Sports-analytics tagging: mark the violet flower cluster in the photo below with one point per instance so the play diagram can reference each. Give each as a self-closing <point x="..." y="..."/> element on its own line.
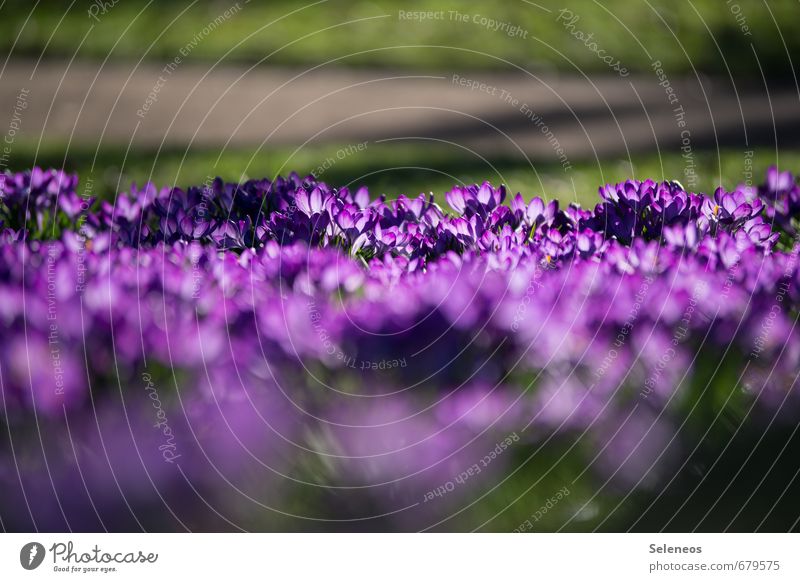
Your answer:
<point x="283" y="354"/>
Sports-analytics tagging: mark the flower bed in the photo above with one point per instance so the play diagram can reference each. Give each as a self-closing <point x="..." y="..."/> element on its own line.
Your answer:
<point x="287" y="355"/>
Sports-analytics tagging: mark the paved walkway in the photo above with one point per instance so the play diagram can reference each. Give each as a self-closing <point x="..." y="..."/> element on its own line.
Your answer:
<point x="548" y="117"/>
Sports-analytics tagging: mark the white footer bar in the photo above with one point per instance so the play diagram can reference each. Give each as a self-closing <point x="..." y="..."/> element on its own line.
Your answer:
<point x="402" y="557"/>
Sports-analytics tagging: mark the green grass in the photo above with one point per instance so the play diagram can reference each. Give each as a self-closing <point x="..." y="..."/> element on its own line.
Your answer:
<point x="681" y="33"/>
<point x="394" y="169"/>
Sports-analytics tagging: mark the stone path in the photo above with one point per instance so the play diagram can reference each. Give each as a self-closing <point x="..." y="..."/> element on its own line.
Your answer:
<point x="547" y="117"/>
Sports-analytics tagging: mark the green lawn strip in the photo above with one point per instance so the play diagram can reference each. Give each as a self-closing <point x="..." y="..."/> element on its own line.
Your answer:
<point x="396" y="169"/>
<point x="683" y="35"/>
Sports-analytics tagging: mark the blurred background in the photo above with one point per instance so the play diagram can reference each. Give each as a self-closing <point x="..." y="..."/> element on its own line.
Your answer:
<point x="405" y="96"/>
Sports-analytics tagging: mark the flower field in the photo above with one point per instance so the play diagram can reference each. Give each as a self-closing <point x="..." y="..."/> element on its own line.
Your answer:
<point x="286" y="354"/>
